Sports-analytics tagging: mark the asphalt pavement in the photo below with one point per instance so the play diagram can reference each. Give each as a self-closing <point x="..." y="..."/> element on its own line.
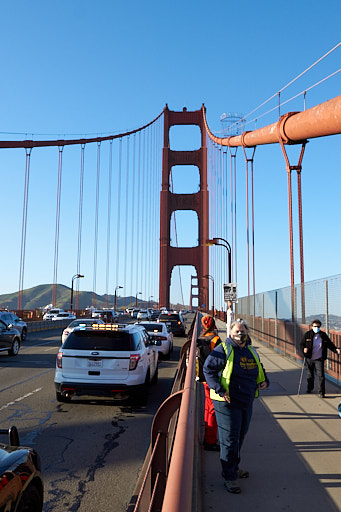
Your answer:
<point x="292" y="449"/>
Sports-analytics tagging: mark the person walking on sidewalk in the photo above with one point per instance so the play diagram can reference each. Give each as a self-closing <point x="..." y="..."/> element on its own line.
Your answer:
<point x="234" y="373"/>
<point x="314" y="345"/>
<point x="206" y="342"/>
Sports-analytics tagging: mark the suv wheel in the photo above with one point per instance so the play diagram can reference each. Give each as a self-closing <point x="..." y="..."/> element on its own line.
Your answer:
<point x="31" y="500"/>
<point x="155" y="376"/>
<point x="14" y="350"/>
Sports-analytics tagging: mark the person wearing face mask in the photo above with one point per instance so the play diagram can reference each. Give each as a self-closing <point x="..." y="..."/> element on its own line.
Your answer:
<point x="234" y="374"/>
<point x="314" y="345"/>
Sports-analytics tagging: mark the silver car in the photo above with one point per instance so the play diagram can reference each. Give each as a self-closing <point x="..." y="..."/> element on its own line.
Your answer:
<point x="11" y="319"/>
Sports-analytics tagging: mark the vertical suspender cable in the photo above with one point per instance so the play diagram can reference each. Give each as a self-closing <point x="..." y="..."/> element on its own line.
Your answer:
<point x="150" y="220"/>
<point x="108" y="226"/>
<point x="80" y="223"/>
<point x="138" y="214"/>
<point x="96" y="224"/>
<point x="118" y="212"/>
<point x="24" y="229"/>
<point x="133" y="221"/>
<point x="247" y="228"/>
<point x="143" y="215"/>
<point x="56" y="241"/>
<point x="126" y="223"/>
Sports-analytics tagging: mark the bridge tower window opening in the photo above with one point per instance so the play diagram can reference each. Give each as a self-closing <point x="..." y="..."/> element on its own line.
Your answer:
<point x="180" y="287"/>
<point x="184" y="229"/>
<point x="184" y="138"/>
<point x="184" y="179"/>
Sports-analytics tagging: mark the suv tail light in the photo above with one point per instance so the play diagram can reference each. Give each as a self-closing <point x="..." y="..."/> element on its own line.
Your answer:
<point x="60" y="360"/>
<point x="134" y="359"/>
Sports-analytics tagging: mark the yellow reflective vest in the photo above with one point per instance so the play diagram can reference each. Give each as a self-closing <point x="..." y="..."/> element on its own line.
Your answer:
<point x="227" y="372"/>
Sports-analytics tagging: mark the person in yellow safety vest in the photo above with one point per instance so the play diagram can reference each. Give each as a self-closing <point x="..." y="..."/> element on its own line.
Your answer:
<point x="234" y="374"/>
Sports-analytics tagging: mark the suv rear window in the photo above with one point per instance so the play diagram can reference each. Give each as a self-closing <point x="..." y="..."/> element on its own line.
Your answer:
<point x="153" y="327"/>
<point x="169" y="317"/>
<point x="94" y="340"/>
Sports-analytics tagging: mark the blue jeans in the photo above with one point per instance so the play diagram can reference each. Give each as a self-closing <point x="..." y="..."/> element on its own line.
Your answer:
<point x="233" y="424"/>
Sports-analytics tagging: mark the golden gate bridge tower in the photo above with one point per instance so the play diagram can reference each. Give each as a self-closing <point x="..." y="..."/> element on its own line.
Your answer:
<point x="171" y="256"/>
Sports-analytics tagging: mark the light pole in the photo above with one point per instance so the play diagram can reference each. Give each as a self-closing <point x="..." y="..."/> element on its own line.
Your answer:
<point x="137" y="293"/>
<point x="150" y="297"/>
<point x="208" y="276"/>
<point x="115" y="302"/>
<point x="76" y="276"/>
<point x="217" y="241"/>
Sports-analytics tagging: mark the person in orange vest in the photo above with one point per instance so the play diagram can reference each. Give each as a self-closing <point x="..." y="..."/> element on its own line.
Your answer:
<point x="206" y="342"/>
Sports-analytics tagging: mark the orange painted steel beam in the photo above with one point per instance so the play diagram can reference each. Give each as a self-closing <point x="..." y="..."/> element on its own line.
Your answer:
<point x="319" y="121"/>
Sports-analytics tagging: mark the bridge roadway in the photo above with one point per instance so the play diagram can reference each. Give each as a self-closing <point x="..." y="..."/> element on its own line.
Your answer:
<point x="292" y="450"/>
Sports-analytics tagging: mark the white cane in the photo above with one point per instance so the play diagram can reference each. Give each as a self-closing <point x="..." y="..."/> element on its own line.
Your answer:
<point x="300" y="383"/>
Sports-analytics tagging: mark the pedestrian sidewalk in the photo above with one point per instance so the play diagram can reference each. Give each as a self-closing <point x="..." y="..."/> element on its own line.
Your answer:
<point x="292" y="449"/>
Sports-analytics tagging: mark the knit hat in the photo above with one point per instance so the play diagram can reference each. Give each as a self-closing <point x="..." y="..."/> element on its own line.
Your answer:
<point x="208" y="322"/>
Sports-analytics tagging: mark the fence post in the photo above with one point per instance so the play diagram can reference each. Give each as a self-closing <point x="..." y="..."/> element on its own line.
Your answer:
<point x="276" y="318"/>
<point x="263" y="318"/>
<point x="327" y="306"/>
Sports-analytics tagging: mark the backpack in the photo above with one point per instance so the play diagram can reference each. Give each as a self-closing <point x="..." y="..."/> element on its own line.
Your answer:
<point x="205" y="345"/>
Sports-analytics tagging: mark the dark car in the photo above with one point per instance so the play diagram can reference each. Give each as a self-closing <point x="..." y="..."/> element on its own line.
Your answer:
<point x="175" y="322"/>
<point x="21" y="482"/>
<point x="11" y="319"/>
<point x="9" y="339"/>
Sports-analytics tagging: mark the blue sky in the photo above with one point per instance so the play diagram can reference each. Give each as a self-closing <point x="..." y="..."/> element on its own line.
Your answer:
<point x="80" y="67"/>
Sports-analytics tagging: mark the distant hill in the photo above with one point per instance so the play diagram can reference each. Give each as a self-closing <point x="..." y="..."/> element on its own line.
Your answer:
<point x="39" y="296"/>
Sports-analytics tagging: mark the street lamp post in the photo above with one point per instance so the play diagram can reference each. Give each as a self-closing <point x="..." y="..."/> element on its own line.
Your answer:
<point x="217" y="241"/>
<point x="137" y="293"/>
<point x="115" y="302"/>
<point x="208" y="276"/>
<point x="76" y="276"/>
<point x="150" y="297"/>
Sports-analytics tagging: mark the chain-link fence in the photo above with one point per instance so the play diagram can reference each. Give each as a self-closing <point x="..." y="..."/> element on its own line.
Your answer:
<point x="280" y="317"/>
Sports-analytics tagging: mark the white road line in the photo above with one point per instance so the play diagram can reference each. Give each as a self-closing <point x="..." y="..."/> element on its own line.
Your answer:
<point x="20" y="398"/>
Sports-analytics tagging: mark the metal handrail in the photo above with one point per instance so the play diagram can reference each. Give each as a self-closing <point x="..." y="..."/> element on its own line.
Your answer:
<point x="170" y="454"/>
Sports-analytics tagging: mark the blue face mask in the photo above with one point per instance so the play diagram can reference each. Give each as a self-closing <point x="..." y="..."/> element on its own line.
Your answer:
<point x="316" y="329"/>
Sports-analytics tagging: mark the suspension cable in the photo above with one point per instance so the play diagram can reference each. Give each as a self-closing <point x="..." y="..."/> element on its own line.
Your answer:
<point x="108" y="224"/>
<point x="24" y="230"/>
<point x="56" y="242"/>
<point x="80" y="223"/>
<point x="96" y="224"/>
<point x="126" y="224"/>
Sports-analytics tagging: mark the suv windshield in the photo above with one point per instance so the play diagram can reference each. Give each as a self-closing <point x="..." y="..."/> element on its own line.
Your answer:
<point x="94" y="340"/>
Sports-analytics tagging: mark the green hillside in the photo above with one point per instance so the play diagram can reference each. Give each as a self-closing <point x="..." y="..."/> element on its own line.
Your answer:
<point x="39" y="296"/>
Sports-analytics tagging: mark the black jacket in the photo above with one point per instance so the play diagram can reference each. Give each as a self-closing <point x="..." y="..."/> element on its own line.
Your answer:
<point x="307" y="342"/>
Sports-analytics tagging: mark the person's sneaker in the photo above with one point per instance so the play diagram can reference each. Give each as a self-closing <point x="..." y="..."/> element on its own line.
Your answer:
<point x="242" y="473"/>
<point x="211" y="447"/>
<point x="232" y="486"/>
<point x="321" y="395"/>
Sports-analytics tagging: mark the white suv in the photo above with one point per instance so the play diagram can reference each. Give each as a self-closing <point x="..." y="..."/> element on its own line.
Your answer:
<point x="106" y="360"/>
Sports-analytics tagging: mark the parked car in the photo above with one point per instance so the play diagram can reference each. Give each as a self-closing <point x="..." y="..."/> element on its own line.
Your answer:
<point x="21" y="482"/>
<point x="106" y="360"/>
<point x="164" y="339"/>
<point x="63" y="316"/>
<point x="80" y="322"/>
<point x="176" y="323"/>
<point x="143" y="314"/>
<point x="9" y="339"/>
<point x="12" y="319"/>
<point x="52" y="312"/>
